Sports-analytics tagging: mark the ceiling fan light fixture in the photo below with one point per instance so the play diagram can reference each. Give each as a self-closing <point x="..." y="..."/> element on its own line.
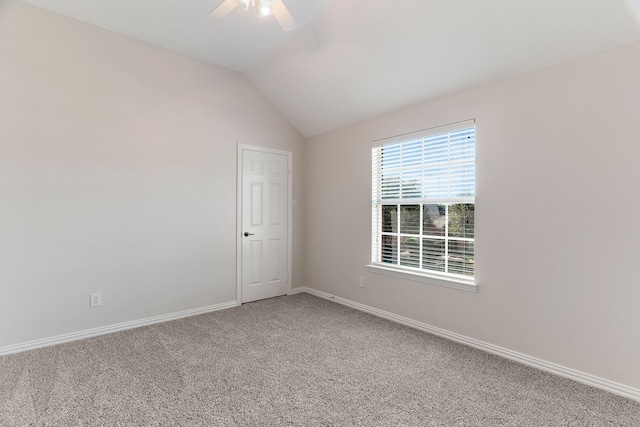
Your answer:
<point x="265" y="7"/>
<point x="265" y="10"/>
<point x="275" y="8"/>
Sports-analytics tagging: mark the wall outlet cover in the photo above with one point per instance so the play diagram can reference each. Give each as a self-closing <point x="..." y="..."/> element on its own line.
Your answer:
<point x="95" y="300"/>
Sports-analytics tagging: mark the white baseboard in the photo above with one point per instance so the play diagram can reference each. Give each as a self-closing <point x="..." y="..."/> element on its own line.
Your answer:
<point x="298" y="290"/>
<point x="601" y="383"/>
<point x="88" y="333"/>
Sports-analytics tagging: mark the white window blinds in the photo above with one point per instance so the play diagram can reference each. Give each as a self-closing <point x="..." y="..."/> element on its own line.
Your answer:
<point x="436" y="165"/>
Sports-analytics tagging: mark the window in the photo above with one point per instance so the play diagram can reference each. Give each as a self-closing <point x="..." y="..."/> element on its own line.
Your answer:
<point x="424" y="202"/>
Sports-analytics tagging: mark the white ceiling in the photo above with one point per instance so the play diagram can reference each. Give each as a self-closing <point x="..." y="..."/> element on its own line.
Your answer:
<point x="353" y="60"/>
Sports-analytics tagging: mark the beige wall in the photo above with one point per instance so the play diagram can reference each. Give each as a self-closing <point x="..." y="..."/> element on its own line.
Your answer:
<point x="557" y="216"/>
<point x="118" y="175"/>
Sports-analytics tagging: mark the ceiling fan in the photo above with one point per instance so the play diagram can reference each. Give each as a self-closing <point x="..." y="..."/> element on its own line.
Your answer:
<point x="265" y="8"/>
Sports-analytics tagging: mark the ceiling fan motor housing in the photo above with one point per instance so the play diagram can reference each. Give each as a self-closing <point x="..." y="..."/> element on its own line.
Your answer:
<point x="244" y="4"/>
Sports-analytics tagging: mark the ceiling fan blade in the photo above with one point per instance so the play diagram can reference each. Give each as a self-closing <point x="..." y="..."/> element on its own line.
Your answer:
<point x="223" y="8"/>
<point x="282" y="15"/>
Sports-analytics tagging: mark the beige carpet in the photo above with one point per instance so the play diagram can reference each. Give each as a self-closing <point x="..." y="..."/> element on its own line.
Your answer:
<point x="296" y="360"/>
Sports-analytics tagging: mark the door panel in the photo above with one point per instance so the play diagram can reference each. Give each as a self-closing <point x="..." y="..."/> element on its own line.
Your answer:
<point x="256" y="203"/>
<point x="274" y="266"/>
<point x="264" y="225"/>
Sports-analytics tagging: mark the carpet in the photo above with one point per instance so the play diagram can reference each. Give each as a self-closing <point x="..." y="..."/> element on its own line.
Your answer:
<point x="297" y="360"/>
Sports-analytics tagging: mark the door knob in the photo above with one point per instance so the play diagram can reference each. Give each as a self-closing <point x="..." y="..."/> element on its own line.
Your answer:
<point x="247" y="234"/>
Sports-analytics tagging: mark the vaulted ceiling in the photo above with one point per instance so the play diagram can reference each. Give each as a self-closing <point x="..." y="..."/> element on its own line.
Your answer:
<point x="353" y="60"/>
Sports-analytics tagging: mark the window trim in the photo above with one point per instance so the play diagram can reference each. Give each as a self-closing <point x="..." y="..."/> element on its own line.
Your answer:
<point x="424" y="276"/>
<point x="448" y="280"/>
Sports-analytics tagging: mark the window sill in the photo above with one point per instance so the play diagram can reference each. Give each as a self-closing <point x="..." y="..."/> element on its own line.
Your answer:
<point x="432" y="279"/>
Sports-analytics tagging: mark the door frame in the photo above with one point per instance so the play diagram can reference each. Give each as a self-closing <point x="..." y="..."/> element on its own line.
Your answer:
<point x="239" y="198"/>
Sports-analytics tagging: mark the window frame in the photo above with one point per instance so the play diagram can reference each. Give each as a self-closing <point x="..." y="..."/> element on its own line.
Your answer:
<point x="377" y="266"/>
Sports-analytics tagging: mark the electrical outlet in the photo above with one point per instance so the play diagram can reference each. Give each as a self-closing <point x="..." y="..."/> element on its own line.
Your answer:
<point x="95" y="300"/>
<point x="361" y="281"/>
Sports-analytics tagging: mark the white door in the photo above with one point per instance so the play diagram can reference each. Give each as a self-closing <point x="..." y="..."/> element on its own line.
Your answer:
<point x="264" y="231"/>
